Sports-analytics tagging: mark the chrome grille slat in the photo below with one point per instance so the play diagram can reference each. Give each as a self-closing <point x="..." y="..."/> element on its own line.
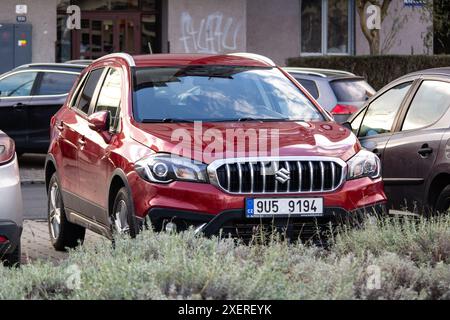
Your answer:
<point x="293" y="175"/>
<point x="332" y="174"/>
<point x="288" y="188"/>
<point x="275" y="166"/>
<point x="322" y="176"/>
<point x="300" y="178"/>
<point x="263" y="172"/>
<point x="240" y="176"/>
<point x="252" y="178"/>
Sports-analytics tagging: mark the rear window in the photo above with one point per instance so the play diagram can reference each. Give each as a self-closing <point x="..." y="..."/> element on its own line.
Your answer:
<point x="310" y="86"/>
<point x="352" y="90"/>
<point x="53" y="83"/>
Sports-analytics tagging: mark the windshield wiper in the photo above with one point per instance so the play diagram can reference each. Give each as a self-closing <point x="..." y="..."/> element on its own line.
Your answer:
<point x="167" y="120"/>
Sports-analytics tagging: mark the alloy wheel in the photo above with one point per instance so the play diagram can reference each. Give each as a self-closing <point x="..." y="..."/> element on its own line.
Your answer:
<point x="120" y="224"/>
<point x="55" y="211"/>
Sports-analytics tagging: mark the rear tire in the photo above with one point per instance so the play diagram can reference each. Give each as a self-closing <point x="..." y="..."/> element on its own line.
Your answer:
<point x="12" y="259"/>
<point x="123" y="220"/>
<point x="443" y="201"/>
<point x="63" y="234"/>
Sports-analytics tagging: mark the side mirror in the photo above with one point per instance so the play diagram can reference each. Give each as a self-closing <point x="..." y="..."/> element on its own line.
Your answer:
<point x="99" y="121"/>
<point x="347" y="125"/>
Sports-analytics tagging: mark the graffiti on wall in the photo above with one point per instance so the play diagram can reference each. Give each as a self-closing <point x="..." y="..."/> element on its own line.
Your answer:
<point x="212" y="34"/>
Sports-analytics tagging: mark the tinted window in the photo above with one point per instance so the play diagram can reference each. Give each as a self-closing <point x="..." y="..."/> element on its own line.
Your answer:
<point x="219" y="93"/>
<point x="17" y="85"/>
<point x="109" y="96"/>
<point x="381" y="113"/>
<point x="56" y="83"/>
<point x="352" y="90"/>
<point x="310" y="86"/>
<point x="429" y="105"/>
<point x="88" y="91"/>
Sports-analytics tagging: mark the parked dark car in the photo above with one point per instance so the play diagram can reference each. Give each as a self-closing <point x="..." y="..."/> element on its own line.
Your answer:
<point x="407" y="124"/>
<point x="339" y="92"/>
<point x="29" y="96"/>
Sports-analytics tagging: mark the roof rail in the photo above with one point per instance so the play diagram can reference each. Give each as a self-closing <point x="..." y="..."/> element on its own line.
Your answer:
<point x="50" y="64"/>
<point x="128" y="58"/>
<point x="299" y="70"/>
<point x="254" y="56"/>
<point x="318" y="71"/>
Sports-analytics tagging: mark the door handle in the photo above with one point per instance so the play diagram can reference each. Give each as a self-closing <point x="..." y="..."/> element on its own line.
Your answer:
<point x="82" y="142"/>
<point x="19" y="106"/>
<point x="425" y="150"/>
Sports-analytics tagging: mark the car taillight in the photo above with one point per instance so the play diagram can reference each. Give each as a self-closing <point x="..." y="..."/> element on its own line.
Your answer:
<point x="343" y="109"/>
<point x="7" y="149"/>
<point x="3" y="239"/>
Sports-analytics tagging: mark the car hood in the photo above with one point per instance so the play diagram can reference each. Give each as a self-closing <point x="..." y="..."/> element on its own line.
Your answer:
<point x="294" y="139"/>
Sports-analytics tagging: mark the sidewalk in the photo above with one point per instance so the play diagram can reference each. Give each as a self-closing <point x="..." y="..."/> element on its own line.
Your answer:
<point x="36" y="243"/>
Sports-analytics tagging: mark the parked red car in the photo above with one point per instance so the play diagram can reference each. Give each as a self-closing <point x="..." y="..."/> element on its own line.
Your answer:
<point x="223" y="143"/>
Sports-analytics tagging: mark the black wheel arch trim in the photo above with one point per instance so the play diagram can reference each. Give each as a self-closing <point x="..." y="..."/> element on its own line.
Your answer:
<point x="122" y="175"/>
<point x="50" y="159"/>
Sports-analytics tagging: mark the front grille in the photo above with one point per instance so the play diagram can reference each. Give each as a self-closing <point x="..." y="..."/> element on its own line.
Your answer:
<point x="278" y="176"/>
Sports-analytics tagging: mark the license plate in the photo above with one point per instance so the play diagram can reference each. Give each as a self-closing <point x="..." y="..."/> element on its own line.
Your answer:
<point x="283" y="207"/>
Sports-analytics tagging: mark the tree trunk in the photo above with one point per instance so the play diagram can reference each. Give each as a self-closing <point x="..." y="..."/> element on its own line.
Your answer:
<point x="374" y="42"/>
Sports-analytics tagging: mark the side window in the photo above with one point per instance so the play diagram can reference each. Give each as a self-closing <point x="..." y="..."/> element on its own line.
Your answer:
<point x="381" y="113"/>
<point x="310" y="86"/>
<point x="84" y="100"/>
<point x="17" y="85"/>
<point x="429" y="105"/>
<point x="109" y="97"/>
<point x="53" y="83"/>
<point x="356" y="123"/>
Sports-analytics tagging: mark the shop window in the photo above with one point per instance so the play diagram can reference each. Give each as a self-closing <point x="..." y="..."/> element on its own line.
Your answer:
<point x="326" y="27"/>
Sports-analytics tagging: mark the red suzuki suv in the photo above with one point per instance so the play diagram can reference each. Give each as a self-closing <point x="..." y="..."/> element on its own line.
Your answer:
<point x="220" y="143"/>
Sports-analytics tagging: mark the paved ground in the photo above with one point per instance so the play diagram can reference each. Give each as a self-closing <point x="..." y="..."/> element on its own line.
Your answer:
<point x="36" y="243"/>
<point x="35" y="238"/>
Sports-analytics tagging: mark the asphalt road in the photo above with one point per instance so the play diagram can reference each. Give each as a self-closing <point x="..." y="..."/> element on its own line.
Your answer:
<point x="34" y="201"/>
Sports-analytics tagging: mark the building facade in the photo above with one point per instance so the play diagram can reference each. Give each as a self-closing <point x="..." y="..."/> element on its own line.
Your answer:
<point x="279" y="29"/>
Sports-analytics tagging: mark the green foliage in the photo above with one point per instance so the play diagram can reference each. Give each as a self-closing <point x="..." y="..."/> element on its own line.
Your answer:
<point x="378" y="70"/>
<point x="413" y="258"/>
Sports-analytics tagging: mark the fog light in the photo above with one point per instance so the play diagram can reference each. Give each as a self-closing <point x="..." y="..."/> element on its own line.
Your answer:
<point x="171" y="227"/>
<point x="160" y="169"/>
<point x="3" y="239"/>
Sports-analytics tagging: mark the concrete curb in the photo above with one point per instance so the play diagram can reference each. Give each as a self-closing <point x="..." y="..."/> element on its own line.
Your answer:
<point x="28" y="182"/>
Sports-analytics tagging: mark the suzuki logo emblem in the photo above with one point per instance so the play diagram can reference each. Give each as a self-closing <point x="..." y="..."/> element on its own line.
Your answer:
<point x="282" y="175"/>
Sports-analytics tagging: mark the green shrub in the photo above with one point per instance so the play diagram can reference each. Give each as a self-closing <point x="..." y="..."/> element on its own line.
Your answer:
<point x="378" y="70"/>
<point x="412" y="257"/>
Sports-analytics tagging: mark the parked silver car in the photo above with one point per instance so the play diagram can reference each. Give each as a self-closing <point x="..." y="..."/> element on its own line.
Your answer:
<point x="11" y="211"/>
<point x="341" y="93"/>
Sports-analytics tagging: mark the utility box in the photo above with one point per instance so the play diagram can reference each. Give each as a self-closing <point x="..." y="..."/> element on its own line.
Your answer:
<point x="15" y="45"/>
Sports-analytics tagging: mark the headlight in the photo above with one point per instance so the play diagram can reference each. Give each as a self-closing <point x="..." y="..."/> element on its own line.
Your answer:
<point x="364" y="164"/>
<point x="166" y="168"/>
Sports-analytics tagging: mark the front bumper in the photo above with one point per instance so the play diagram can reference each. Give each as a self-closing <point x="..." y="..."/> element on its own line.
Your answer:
<point x="234" y="222"/>
<point x="12" y="232"/>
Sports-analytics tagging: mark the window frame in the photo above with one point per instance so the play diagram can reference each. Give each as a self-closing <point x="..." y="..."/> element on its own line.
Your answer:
<point x="40" y="77"/>
<point x="33" y="88"/>
<point x="400" y="112"/>
<point x="407" y="106"/>
<point x="324" y="35"/>
<point x="114" y="128"/>
<point x="81" y="85"/>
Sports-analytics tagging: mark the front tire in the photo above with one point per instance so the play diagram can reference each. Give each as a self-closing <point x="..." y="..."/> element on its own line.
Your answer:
<point x="443" y="201"/>
<point x="123" y="220"/>
<point x="63" y="234"/>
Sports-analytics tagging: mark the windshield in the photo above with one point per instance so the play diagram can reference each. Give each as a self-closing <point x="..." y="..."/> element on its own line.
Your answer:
<point x="351" y="90"/>
<point x="218" y="93"/>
